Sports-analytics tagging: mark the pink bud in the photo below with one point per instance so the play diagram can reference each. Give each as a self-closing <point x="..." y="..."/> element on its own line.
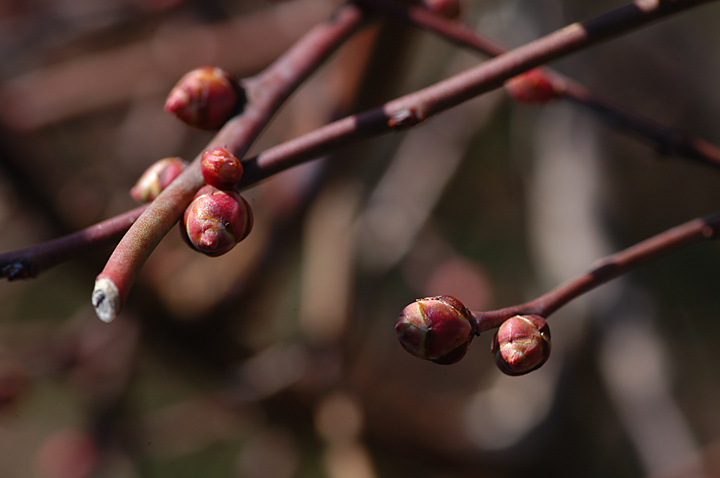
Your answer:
<point x="534" y="87"/>
<point x="449" y="9"/>
<point x="204" y="98"/>
<point x="436" y="328"/>
<point x="156" y="178"/>
<point x="220" y="168"/>
<point x="521" y="344"/>
<point x="217" y="220"/>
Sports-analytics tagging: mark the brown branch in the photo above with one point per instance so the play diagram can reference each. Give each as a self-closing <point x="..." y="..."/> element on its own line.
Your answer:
<point x="668" y="140"/>
<point x="30" y="261"/>
<point x="114" y="282"/>
<point x="415" y="107"/>
<point x="69" y="89"/>
<point x="405" y="111"/>
<point x="611" y="267"/>
<point x="265" y="93"/>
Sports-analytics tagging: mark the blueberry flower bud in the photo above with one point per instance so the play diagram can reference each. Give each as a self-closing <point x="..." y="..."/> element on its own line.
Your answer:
<point x="220" y="168"/>
<point x="436" y="328"/>
<point x="204" y="98"/>
<point x="156" y="178"/>
<point x="521" y="344"/>
<point x="216" y="220"/>
<point x="534" y="87"/>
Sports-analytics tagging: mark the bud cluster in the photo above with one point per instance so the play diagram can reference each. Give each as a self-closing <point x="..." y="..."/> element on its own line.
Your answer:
<point x="441" y="328"/>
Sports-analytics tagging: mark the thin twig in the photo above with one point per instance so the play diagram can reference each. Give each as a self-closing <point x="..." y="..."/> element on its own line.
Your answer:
<point x="691" y="232"/>
<point x="668" y="140"/>
<point x="265" y="93"/>
<point x="405" y="111"/>
<point x="29" y="262"/>
<point x="420" y="105"/>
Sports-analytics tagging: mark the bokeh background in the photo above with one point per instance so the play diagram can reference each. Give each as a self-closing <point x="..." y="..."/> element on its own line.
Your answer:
<point x="279" y="359"/>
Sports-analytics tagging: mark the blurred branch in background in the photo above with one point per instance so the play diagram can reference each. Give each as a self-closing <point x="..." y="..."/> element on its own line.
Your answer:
<point x="59" y="92"/>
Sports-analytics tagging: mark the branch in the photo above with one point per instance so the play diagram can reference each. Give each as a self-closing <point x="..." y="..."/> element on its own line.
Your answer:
<point x="264" y="93"/>
<point x="30" y="261"/>
<point x="406" y="111"/>
<point x="668" y="140"/>
<point x="611" y="267"/>
<point x="411" y="109"/>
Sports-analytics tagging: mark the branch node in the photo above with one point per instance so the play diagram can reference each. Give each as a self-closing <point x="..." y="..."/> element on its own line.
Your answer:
<point x="406" y="118"/>
<point x="16" y="270"/>
<point x="708" y="232"/>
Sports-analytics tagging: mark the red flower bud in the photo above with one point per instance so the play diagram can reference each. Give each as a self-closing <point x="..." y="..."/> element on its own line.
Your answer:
<point x="220" y="168"/>
<point x="521" y="344"/>
<point x="204" y="98"/>
<point x="436" y="328"/>
<point x="449" y="9"/>
<point x="216" y="220"/>
<point x="156" y="178"/>
<point x="534" y="87"/>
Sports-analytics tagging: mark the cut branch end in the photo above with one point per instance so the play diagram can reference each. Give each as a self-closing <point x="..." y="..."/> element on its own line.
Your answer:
<point x="106" y="299"/>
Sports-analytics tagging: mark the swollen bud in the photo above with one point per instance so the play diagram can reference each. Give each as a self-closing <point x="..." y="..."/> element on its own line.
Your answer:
<point x="534" y="87"/>
<point x="204" y="98"/>
<point x="521" y="344"/>
<point x="156" y="178"/>
<point x="220" y="168"/>
<point x="436" y="328"/>
<point x="450" y="9"/>
<point x="216" y="220"/>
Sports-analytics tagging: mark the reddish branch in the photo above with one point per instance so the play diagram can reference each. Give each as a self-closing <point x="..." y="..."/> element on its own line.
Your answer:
<point x="706" y="228"/>
<point x="266" y="91"/>
<point x="30" y="261"/>
<point x="415" y="107"/>
<point x="668" y="140"/>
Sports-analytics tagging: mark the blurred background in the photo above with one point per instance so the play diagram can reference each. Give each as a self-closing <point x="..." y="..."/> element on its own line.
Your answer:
<point x="279" y="359"/>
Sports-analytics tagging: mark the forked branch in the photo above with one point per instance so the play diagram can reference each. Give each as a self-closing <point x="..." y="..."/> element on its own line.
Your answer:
<point x="668" y="140"/>
<point x="608" y="268"/>
<point x="268" y="90"/>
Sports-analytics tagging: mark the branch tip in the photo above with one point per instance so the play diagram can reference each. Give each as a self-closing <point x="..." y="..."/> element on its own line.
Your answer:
<point x="106" y="299"/>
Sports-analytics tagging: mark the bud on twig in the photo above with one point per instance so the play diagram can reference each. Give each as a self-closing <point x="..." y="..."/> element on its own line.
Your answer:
<point x="436" y="328"/>
<point x="450" y="9"/>
<point x="534" y="87"/>
<point x="204" y="98"/>
<point x="216" y="220"/>
<point x="156" y="178"/>
<point x="521" y="344"/>
<point x="220" y="168"/>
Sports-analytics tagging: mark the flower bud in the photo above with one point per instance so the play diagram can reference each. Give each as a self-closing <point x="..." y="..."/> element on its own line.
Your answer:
<point x="216" y="220"/>
<point x="220" y="168"/>
<point x="436" y="328"/>
<point x="521" y="344"/>
<point x="204" y="98"/>
<point x="534" y="87"/>
<point x="156" y="178"/>
<point x="450" y="9"/>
